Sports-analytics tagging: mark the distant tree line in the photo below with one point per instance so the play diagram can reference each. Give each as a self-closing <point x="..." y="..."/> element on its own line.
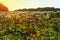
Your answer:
<point x="40" y="9"/>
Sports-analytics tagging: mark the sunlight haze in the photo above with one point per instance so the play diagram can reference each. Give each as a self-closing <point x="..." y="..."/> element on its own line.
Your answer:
<point x="19" y="4"/>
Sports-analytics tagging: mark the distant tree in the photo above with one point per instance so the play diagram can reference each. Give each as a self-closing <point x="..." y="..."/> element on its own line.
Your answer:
<point x="40" y="9"/>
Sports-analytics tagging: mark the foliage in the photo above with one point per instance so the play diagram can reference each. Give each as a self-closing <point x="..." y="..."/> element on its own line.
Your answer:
<point x="3" y="8"/>
<point x="30" y="26"/>
<point x="40" y="9"/>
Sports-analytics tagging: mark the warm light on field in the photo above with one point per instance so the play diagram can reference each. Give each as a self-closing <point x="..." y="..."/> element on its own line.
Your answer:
<point x="40" y="20"/>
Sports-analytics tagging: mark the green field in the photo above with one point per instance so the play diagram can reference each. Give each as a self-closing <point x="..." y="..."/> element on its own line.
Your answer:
<point x="30" y="25"/>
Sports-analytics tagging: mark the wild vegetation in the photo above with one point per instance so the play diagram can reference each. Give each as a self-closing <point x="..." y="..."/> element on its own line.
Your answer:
<point x="30" y="25"/>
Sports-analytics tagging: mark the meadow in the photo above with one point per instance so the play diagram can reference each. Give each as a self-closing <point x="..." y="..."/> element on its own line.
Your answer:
<point x="41" y="25"/>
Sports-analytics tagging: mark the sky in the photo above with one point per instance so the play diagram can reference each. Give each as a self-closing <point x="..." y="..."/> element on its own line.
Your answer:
<point x="20" y="4"/>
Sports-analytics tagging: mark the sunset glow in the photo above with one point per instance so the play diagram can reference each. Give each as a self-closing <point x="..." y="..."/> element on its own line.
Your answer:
<point x="19" y="4"/>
